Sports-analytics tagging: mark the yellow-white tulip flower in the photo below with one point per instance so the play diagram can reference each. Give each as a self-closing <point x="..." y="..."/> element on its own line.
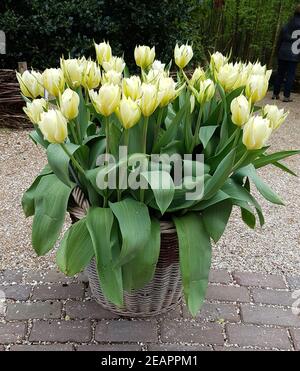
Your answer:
<point x="107" y="99"/>
<point x="128" y="112"/>
<point x="240" y="110"/>
<point x="144" y="56"/>
<point x="54" y="126"/>
<point x="257" y="87"/>
<point x="112" y="77"/>
<point x="73" y="71"/>
<point x="256" y="133"/>
<point x="91" y="75"/>
<point x="275" y="115"/>
<point x="167" y="91"/>
<point x="158" y="66"/>
<point x="31" y="84"/>
<point x="228" y="75"/>
<point x="150" y="99"/>
<point x="217" y="61"/>
<point x="116" y="64"/>
<point x="132" y="87"/>
<point x="69" y="104"/>
<point x="257" y="69"/>
<point x="198" y="76"/>
<point x="183" y="55"/>
<point x="206" y="92"/>
<point x="53" y="81"/>
<point x="34" y="109"/>
<point x="103" y="52"/>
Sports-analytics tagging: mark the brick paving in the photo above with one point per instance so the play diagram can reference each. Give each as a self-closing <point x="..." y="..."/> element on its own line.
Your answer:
<point x="243" y="311"/>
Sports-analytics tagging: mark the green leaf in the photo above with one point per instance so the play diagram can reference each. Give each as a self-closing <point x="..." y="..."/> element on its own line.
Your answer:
<point x="135" y="226"/>
<point x="51" y="202"/>
<point x="273" y="158"/>
<point x="284" y="168"/>
<point x="195" y="259"/>
<point x="99" y="223"/>
<point x="83" y="115"/>
<point x="162" y="186"/>
<point x="247" y="214"/>
<point x="29" y="195"/>
<point x="220" y="176"/>
<point x="219" y="197"/>
<point x="76" y="249"/>
<point x="206" y="133"/>
<point x="263" y="188"/>
<point x="216" y="218"/>
<point x="59" y="161"/>
<point x="37" y="137"/>
<point x="140" y="271"/>
<point x="97" y="149"/>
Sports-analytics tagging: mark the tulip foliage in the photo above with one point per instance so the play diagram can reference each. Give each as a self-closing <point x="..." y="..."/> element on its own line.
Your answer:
<point x="85" y="111"/>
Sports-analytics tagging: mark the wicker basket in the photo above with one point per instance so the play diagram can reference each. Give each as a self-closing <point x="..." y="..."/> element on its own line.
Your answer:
<point x="162" y="294"/>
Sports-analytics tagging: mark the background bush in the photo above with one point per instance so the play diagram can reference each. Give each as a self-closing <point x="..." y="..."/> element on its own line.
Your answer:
<point x="40" y="31"/>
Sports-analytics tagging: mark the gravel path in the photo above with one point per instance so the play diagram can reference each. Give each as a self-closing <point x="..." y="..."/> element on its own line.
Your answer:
<point x="273" y="249"/>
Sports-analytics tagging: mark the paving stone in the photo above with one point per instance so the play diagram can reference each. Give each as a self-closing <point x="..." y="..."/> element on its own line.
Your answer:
<point x="194" y="333"/>
<point x="108" y="348"/>
<point x="54" y="276"/>
<point x="296" y="338"/>
<point x="12" y="332"/>
<point x="126" y="331"/>
<point x="16" y="292"/>
<point x="269" y="316"/>
<point x="172" y="314"/>
<point x="258" y="336"/>
<point x="178" y="348"/>
<point x="88" y="309"/>
<point x="11" y="276"/>
<point x="219" y="276"/>
<point x="238" y="349"/>
<point x="58" y="291"/>
<point x="215" y="312"/>
<point x="42" y="348"/>
<point x="273" y="297"/>
<point x="228" y="294"/>
<point x="39" y="310"/>
<point x="34" y="276"/>
<point x="294" y="282"/>
<point x="61" y="331"/>
<point x="2" y="348"/>
<point x="259" y="280"/>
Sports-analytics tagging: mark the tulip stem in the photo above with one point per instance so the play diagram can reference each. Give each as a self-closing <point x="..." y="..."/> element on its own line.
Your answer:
<point x="145" y="132"/>
<point x="74" y="161"/>
<point x="237" y="137"/>
<point x="107" y="134"/>
<point x="197" y="131"/>
<point x="74" y="132"/>
<point x="158" y="124"/>
<point x="240" y="162"/>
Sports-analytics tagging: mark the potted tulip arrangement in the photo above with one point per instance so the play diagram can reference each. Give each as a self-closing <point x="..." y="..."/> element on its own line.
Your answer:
<point x="141" y="242"/>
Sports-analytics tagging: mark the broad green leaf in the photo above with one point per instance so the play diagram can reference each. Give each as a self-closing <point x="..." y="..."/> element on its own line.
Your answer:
<point x="216" y="218"/>
<point x="195" y="259"/>
<point x="76" y="249"/>
<point x="162" y="186"/>
<point x="219" y="197"/>
<point x="220" y="176"/>
<point x="51" y="202"/>
<point x="135" y="226"/>
<point x="29" y="195"/>
<point x="263" y="188"/>
<point x="97" y="149"/>
<point x="140" y="271"/>
<point x="83" y="116"/>
<point x="265" y="160"/>
<point x="284" y="168"/>
<point x="247" y="214"/>
<point x="99" y="223"/>
<point x="37" y="137"/>
<point x="206" y="133"/>
<point x="59" y="161"/>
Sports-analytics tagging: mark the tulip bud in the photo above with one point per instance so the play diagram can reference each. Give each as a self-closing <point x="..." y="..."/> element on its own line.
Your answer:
<point x="144" y="56"/>
<point x="206" y="92"/>
<point x="275" y="115"/>
<point x="53" y="81"/>
<point x="73" y="71"/>
<point x="217" y="61"/>
<point x="167" y="91"/>
<point x="103" y="52"/>
<point x="128" y="112"/>
<point x="114" y="64"/>
<point x="69" y="104"/>
<point x="107" y="99"/>
<point x="150" y="99"/>
<point x="34" y="110"/>
<point x="256" y="133"/>
<point x="132" y="87"/>
<point x="158" y="66"/>
<point x="31" y="84"/>
<point x="257" y="88"/>
<point x="91" y="75"/>
<point x="227" y="76"/>
<point x="240" y="109"/>
<point x="112" y="77"/>
<point x="183" y="55"/>
<point x="54" y="126"/>
<point x="198" y="76"/>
